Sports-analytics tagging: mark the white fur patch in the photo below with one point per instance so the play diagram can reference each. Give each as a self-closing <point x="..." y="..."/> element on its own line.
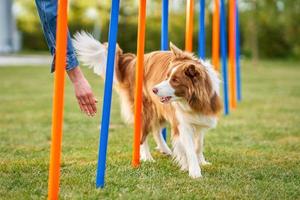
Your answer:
<point x="213" y="75"/>
<point x="185" y="142"/>
<point x="179" y="154"/>
<point x="161" y="144"/>
<point x="91" y="52"/>
<point x="145" y="154"/>
<point x="165" y="89"/>
<point x="126" y="112"/>
<point x="199" y="145"/>
<point x="182" y="109"/>
<point x="173" y="70"/>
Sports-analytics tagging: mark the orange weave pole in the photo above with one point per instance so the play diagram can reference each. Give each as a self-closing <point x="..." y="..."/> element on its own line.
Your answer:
<point x="216" y="36"/>
<point x="232" y="64"/>
<point x="139" y="84"/>
<point x="58" y="100"/>
<point x="189" y="25"/>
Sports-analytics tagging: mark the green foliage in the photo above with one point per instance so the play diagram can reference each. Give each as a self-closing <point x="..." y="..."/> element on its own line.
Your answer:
<point x="254" y="151"/>
<point x="276" y="25"/>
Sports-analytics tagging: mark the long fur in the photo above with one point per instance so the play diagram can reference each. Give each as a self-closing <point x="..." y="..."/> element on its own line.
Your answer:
<point x="91" y="52"/>
<point x="178" y="88"/>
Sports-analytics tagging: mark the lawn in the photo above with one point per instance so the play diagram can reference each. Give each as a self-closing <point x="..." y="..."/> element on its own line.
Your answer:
<point x="255" y="151"/>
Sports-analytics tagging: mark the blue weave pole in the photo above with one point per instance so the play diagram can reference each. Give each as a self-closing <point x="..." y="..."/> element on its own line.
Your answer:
<point x="224" y="56"/>
<point x="164" y="40"/>
<point x="238" y="64"/>
<point x="112" y="40"/>
<point x="201" y="44"/>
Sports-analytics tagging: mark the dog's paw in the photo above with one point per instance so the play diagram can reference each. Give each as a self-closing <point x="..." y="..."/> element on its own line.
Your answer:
<point x="145" y="154"/>
<point x="184" y="167"/>
<point x="195" y="173"/>
<point x="165" y="151"/>
<point x="194" y="170"/>
<point x="204" y="163"/>
<point x="181" y="161"/>
<point x="146" y="158"/>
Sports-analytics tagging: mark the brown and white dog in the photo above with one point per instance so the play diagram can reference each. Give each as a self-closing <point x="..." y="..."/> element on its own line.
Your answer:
<point x="178" y="88"/>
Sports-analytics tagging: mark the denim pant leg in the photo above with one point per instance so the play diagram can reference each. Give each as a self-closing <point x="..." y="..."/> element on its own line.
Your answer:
<point x="47" y="10"/>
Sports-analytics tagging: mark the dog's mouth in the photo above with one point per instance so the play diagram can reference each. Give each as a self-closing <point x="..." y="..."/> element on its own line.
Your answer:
<point x="165" y="99"/>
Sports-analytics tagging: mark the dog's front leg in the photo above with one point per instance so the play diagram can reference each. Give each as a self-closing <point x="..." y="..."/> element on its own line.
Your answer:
<point x="145" y="154"/>
<point x="199" y="145"/>
<point x="186" y="133"/>
<point x="161" y="143"/>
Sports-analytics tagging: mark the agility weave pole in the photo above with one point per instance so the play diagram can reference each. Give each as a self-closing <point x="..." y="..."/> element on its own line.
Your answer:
<point x="216" y="36"/>
<point x="104" y="129"/>
<point x="232" y="54"/>
<point x="58" y="99"/>
<point x="139" y="84"/>
<point x="189" y="25"/>
<point x="224" y="56"/>
<point x="201" y="33"/>
<point x="237" y="49"/>
<point x="164" y="42"/>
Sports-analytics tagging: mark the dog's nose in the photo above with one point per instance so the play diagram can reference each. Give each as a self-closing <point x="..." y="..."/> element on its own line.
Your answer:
<point x="155" y="90"/>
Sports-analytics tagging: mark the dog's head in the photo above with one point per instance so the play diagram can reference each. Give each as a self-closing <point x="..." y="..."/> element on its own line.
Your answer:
<point x="190" y="81"/>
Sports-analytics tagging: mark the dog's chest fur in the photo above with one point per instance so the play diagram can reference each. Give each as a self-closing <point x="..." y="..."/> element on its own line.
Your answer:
<point x="155" y="114"/>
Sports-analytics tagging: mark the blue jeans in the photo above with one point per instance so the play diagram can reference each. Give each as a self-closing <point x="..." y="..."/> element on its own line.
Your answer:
<point x="47" y="10"/>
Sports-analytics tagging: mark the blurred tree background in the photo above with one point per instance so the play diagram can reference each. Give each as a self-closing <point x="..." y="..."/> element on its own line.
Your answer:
<point x="269" y="28"/>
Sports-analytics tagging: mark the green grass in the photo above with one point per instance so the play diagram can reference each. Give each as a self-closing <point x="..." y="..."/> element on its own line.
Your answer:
<point x="254" y="151"/>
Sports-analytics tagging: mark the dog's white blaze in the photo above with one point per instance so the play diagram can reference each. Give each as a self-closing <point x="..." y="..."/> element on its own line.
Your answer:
<point x="173" y="70"/>
<point x="165" y="88"/>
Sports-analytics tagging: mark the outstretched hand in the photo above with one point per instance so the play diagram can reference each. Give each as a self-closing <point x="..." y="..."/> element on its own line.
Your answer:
<point x="83" y="92"/>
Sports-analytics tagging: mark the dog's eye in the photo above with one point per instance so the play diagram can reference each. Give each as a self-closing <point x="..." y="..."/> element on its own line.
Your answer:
<point x="175" y="80"/>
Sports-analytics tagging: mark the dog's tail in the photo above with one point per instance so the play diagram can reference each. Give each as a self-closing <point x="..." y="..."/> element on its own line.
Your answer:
<point x="92" y="53"/>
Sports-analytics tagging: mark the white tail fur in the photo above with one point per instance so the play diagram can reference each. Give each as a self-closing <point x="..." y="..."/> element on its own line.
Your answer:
<point x="91" y="52"/>
<point x="94" y="55"/>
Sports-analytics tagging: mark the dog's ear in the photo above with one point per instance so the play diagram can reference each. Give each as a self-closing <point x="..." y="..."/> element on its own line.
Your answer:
<point x="118" y="49"/>
<point x="201" y="91"/>
<point x="175" y="50"/>
<point x="191" y="72"/>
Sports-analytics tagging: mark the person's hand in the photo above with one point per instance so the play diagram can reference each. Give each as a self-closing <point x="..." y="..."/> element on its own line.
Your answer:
<point x="83" y="92"/>
<point x="85" y="97"/>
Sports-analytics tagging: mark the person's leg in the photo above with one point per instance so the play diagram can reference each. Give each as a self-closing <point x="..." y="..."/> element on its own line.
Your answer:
<point x="47" y="10"/>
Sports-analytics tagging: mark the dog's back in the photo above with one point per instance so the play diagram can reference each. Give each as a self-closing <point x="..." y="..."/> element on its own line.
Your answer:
<point x="155" y="70"/>
<point x="94" y="54"/>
